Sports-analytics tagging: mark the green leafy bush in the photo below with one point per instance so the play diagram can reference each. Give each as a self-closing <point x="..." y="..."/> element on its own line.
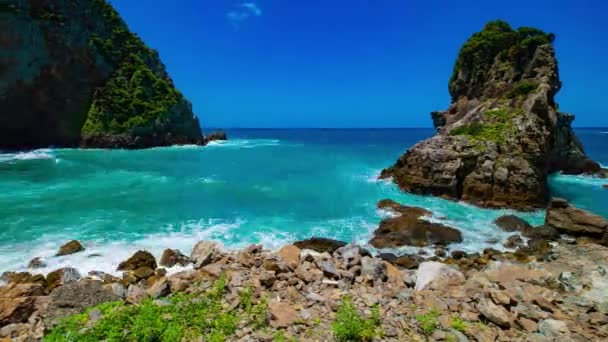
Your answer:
<point x="524" y="87"/>
<point x="349" y="325"/>
<point x="428" y="322"/>
<point x="186" y="316"/>
<point x="458" y="324"/>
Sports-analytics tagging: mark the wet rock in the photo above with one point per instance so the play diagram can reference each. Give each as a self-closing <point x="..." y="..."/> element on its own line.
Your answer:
<point x="319" y="244"/>
<point x="143" y="272"/>
<point x="71" y="247"/>
<point x="408" y="261"/>
<point x="172" y="257"/>
<point x="62" y="276"/>
<point x="512" y="223"/>
<point x="431" y="271"/>
<point x="215" y="136"/>
<point x="203" y="253"/>
<point x="514" y="241"/>
<point x="410" y="229"/>
<point x="543" y="232"/>
<point x="577" y="222"/>
<point x="402" y="209"/>
<point x="37" y="262"/>
<point x="137" y="260"/>
<point x="458" y="254"/>
<point x="74" y="298"/>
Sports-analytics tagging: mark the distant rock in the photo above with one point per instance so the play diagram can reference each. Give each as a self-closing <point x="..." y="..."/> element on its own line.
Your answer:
<point x="402" y="209"/>
<point x="503" y="133"/>
<point x="71" y="247"/>
<point x="138" y="260"/>
<point x="568" y="219"/>
<point x="220" y="135"/>
<point x="319" y="244"/>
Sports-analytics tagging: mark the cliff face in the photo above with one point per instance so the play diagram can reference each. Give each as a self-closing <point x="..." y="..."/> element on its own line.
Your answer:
<point x="502" y="135"/>
<point x="71" y="73"/>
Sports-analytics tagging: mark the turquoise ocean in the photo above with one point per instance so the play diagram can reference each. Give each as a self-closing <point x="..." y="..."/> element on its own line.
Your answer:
<point x="262" y="186"/>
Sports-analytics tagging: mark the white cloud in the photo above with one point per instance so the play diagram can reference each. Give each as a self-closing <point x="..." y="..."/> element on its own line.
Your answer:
<point x="242" y="12"/>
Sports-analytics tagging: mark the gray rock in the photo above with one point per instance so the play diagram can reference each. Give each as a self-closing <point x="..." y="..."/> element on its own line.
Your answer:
<point x="74" y="298"/>
<point x="554" y="329"/>
<point x="431" y="271"/>
<point x="203" y="253"/>
<point x="161" y="288"/>
<point x="495" y="313"/>
<point x="375" y="268"/>
<point x="329" y="269"/>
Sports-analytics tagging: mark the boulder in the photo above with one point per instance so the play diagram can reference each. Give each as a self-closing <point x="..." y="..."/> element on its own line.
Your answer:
<point x="373" y="268"/>
<point x="161" y="288"/>
<point x="203" y="253"/>
<point x="219" y="135"/>
<point x="554" y="329"/>
<point x="37" y="262"/>
<point x="496" y="314"/>
<point x="402" y="209"/>
<point x="512" y="223"/>
<point x="282" y="315"/>
<point x="172" y="257"/>
<point x="71" y="247"/>
<point x="74" y="298"/>
<point x="62" y="276"/>
<point x="319" y="244"/>
<point x="138" y="260"/>
<point x="291" y="255"/>
<point x="431" y="271"/>
<point x="410" y="229"/>
<point x="16" y="310"/>
<point x="568" y="219"/>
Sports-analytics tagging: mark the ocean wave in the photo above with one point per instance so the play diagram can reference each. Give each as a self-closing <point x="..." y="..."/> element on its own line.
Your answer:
<point x="30" y="155"/>
<point x="244" y="143"/>
<point x="579" y="180"/>
<point x="104" y="256"/>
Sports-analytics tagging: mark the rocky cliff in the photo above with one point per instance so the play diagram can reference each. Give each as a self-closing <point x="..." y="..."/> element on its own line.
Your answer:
<point x="502" y="134"/>
<point x="71" y="73"/>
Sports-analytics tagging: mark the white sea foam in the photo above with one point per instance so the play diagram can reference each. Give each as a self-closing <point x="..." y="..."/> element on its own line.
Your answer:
<point x="106" y="255"/>
<point x="579" y="180"/>
<point x="30" y="155"/>
<point x="244" y="143"/>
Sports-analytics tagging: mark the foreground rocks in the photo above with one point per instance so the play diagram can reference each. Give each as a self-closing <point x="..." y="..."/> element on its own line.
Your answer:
<point x="564" y="297"/>
<point x="503" y="134"/>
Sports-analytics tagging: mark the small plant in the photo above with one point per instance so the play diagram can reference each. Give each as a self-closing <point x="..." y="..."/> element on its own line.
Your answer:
<point x="428" y="322"/>
<point x="458" y="324"/>
<point x="524" y="87"/>
<point x="349" y="325"/>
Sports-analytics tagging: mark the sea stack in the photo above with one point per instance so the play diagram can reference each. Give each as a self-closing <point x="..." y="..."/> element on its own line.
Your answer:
<point x="73" y="74"/>
<point x="503" y="133"/>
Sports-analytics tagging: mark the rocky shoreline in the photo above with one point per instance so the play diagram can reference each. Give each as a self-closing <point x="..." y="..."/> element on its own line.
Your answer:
<point x="552" y="287"/>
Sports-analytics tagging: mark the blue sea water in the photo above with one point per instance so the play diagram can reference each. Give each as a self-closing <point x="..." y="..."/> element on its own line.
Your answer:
<point x="262" y="186"/>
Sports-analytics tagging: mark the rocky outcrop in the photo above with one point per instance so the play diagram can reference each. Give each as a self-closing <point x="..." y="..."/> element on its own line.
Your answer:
<point x="576" y="222"/>
<point x="71" y="73"/>
<point x="71" y="247"/>
<point x="319" y="244"/>
<point x="503" y="134"/>
<point x="409" y="228"/>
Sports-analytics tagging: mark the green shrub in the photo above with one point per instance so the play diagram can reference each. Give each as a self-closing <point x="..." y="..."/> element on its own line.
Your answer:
<point x="428" y="322"/>
<point x="187" y="316"/>
<point x="349" y="325"/>
<point x="458" y="324"/>
<point x="522" y="88"/>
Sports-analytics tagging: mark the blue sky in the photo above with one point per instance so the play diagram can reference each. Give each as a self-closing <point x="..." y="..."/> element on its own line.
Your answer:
<point x="353" y="63"/>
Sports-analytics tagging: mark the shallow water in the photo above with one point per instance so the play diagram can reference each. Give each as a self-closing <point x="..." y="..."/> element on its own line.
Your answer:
<point x="262" y="186"/>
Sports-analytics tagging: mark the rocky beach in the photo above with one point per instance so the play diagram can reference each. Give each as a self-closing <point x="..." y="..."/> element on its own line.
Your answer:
<point x="552" y="286"/>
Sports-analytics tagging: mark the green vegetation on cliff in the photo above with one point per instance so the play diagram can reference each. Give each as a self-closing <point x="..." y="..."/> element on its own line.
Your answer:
<point x="497" y="42"/>
<point x="139" y="98"/>
<point x="496" y="125"/>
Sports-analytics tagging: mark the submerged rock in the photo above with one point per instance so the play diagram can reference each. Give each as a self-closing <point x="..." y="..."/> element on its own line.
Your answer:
<point x="71" y="247"/>
<point x="502" y="135"/>
<point x="37" y="262"/>
<point x="319" y="244"/>
<point x="512" y="223"/>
